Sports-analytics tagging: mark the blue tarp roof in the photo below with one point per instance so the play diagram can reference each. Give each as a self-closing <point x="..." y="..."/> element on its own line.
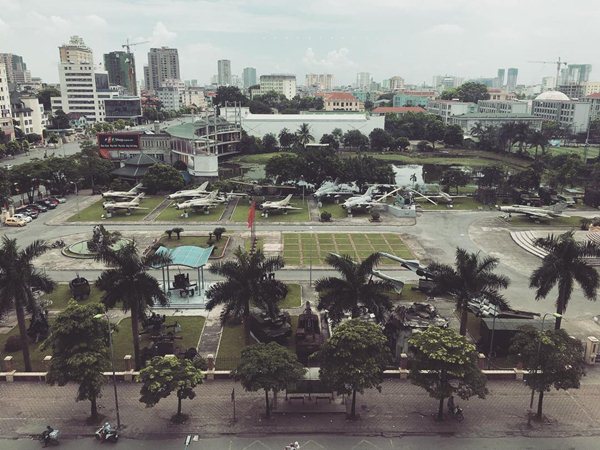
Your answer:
<point x="187" y="255"/>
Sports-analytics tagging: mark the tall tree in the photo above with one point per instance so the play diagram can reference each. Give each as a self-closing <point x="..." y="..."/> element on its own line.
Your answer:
<point x="537" y="139"/>
<point x="472" y="277"/>
<point x="167" y="374"/>
<point x="355" y="291"/>
<point x="553" y="359"/>
<point x="380" y="139"/>
<point x="44" y="97"/>
<point x="453" y="135"/>
<point x="454" y="178"/>
<point x="162" y="177"/>
<point x="79" y="345"/>
<point x="17" y="277"/>
<point x="564" y="265"/>
<point x="269" y="143"/>
<point x="126" y="281"/>
<point x="330" y="140"/>
<point x="354" y="359"/>
<point x="303" y="134"/>
<point x="435" y="131"/>
<point x="445" y="364"/>
<point x="355" y="139"/>
<point x="270" y="367"/>
<point x="472" y="91"/>
<point x="246" y="284"/>
<point x="229" y="95"/>
<point x="286" y="138"/>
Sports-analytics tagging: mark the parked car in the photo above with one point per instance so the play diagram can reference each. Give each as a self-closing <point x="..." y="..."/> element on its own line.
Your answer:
<point x="39" y="208"/>
<point x="24" y="217"/>
<point x="58" y="199"/>
<point x="14" y="222"/>
<point x="52" y="200"/>
<point x="31" y="213"/>
<point x="47" y="203"/>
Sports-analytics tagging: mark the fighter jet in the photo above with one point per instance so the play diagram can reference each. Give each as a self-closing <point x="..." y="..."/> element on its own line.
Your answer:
<point x="333" y="189"/>
<point x="191" y="193"/>
<point x="534" y="212"/>
<point x="368" y="199"/>
<point x="126" y="206"/>
<point x="281" y="205"/>
<point x="210" y="201"/>
<point x="134" y="191"/>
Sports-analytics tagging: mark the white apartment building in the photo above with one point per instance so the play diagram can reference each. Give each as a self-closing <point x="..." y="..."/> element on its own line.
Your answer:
<point x="447" y="108"/>
<point x="170" y="98"/>
<point x="163" y="64"/>
<point x="502" y="107"/>
<point x="363" y="81"/>
<point x="29" y="113"/>
<point x="193" y="96"/>
<point x="6" y="123"/>
<point x="281" y="84"/>
<point x="224" y="72"/>
<point x="594" y="101"/>
<point x="557" y="107"/>
<point x="500" y="94"/>
<point x="319" y="81"/>
<point x="591" y="87"/>
<point x="396" y="83"/>
<point x="75" y="52"/>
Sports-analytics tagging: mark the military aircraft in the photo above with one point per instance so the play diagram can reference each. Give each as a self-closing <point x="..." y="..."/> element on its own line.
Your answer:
<point x="209" y="201"/>
<point x="190" y="193"/>
<point x="126" y="206"/>
<point x="134" y="191"/>
<point x="333" y="189"/>
<point x="368" y="199"/>
<point x="280" y="205"/>
<point x="534" y="212"/>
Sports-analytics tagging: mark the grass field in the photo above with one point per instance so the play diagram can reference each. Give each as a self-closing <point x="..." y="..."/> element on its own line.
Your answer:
<point x="293" y="298"/>
<point x="191" y="327"/>
<point x="465" y="204"/>
<point x="241" y="214"/>
<point x="94" y="212"/>
<point x="260" y="158"/>
<point x="62" y="294"/>
<point x="302" y="249"/>
<point x="198" y="241"/>
<point x="171" y="214"/>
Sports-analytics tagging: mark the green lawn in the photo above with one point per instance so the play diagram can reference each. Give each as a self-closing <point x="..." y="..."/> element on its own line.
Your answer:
<point x="410" y="295"/>
<point x="94" y="212"/>
<point x="198" y="241"/>
<point x="293" y="298"/>
<point x="62" y="294"/>
<point x="466" y="204"/>
<point x="260" y="158"/>
<point x="37" y="356"/>
<point x="302" y="249"/>
<point x="191" y="328"/>
<point x="171" y="214"/>
<point x="241" y="214"/>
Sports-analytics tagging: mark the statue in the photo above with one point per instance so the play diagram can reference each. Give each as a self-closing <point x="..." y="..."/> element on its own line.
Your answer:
<point x="80" y="288"/>
<point x="102" y="238"/>
<point x="39" y="328"/>
<point x="309" y="337"/>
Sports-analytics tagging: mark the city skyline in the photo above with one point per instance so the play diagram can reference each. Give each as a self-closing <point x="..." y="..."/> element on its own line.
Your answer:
<point x="334" y="36"/>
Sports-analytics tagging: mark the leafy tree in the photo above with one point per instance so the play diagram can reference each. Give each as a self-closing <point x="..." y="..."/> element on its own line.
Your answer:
<point x="218" y="232"/>
<point x="565" y="264"/>
<point x="435" y="131"/>
<point x="330" y="140"/>
<point x="269" y="143"/>
<point x="44" y="96"/>
<point x="445" y="364"/>
<point x="472" y="92"/>
<point x="284" y="167"/>
<point x="453" y="135"/>
<point x="528" y="179"/>
<point x="355" y="139"/>
<point x="303" y="134"/>
<point x="17" y="277"/>
<point x="286" y="139"/>
<point x="380" y="139"/>
<point x="356" y="292"/>
<point x="537" y="139"/>
<point x="162" y="177"/>
<point x="92" y="167"/>
<point x="258" y="107"/>
<point x="473" y="277"/>
<point x="246" y="283"/>
<point x="249" y="144"/>
<point x="167" y="374"/>
<point x="555" y="358"/>
<point x="553" y="130"/>
<point x="454" y="178"/>
<point x="60" y="121"/>
<point x="449" y="94"/>
<point x="178" y="231"/>
<point x="79" y="345"/>
<point x="126" y="281"/>
<point x="269" y="367"/>
<point x="13" y="147"/>
<point x="401" y="143"/>
<point x="53" y="138"/>
<point x="492" y="176"/>
<point x="338" y="134"/>
<point x="365" y="169"/>
<point x="33" y="138"/>
<point x="564" y="170"/>
<point x="354" y="359"/>
<point x="229" y="94"/>
<point x="369" y="105"/>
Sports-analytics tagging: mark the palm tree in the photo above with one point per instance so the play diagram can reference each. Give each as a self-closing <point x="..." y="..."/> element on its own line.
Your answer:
<point x="478" y="130"/>
<point x="473" y="278"/>
<point x="127" y="281"/>
<point x="17" y="277"/>
<point x="537" y="139"/>
<point x="247" y="283"/>
<point x="303" y="134"/>
<point x="522" y="133"/>
<point x="564" y="264"/>
<point x="355" y="291"/>
<point x="507" y="135"/>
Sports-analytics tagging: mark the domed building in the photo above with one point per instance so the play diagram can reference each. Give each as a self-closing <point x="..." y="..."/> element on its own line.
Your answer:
<point x="556" y="106"/>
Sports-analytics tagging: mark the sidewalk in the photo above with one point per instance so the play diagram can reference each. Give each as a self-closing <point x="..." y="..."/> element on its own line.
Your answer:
<point x="400" y="409"/>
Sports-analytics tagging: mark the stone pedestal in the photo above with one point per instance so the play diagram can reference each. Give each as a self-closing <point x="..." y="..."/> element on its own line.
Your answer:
<point x="7" y="365"/>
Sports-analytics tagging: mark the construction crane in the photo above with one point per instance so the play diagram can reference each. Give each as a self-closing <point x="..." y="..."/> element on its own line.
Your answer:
<point x="131" y="70"/>
<point x="558" y="63"/>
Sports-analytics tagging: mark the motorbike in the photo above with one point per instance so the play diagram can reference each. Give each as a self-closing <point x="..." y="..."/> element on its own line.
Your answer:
<point x="457" y="413"/>
<point x="107" y="434"/>
<point x="49" y="437"/>
<point x="292" y="446"/>
<point x="58" y="244"/>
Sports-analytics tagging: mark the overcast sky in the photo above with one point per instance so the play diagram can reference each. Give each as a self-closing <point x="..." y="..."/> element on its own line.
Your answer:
<point x="415" y="39"/>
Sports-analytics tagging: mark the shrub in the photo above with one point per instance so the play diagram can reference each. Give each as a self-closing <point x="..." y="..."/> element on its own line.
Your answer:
<point x="13" y="344"/>
<point x="218" y="232"/>
<point x="375" y="216"/>
<point x="325" y="216"/>
<point x="585" y="223"/>
<point x="424" y="146"/>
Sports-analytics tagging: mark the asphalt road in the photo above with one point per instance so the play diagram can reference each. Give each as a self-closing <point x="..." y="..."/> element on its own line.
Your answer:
<point x="319" y="442"/>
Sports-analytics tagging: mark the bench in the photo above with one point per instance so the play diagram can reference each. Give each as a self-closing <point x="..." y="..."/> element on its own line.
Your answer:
<point x="323" y="397"/>
<point x="295" y="397"/>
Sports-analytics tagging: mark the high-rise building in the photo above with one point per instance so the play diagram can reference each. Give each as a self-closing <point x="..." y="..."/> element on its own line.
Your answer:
<point x="500" y="78"/>
<point x="363" y="81"/>
<point x="548" y="83"/>
<point x="28" y="113"/>
<point x="319" y="81"/>
<point x="511" y="79"/>
<point x="249" y="77"/>
<point x="163" y="63"/>
<point x="121" y="70"/>
<point x="396" y="83"/>
<point x="444" y="82"/>
<point x="76" y="52"/>
<point x="16" y="69"/>
<point x="578" y="73"/>
<point x="224" y="72"/>
<point x="6" y="121"/>
<point x="281" y="84"/>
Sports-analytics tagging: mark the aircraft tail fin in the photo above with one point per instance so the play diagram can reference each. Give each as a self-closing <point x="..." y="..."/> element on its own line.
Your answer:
<point x="135" y="188"/>
<point x="559" y="207"/>
<point x="287" y="199"/>
<point x="203" y="186"/>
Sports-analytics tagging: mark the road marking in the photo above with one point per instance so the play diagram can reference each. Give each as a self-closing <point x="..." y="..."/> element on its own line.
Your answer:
<point x="369" y="444"/>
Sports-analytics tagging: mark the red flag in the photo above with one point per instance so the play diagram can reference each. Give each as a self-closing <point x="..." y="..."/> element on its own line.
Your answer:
<point x="251" y="214"/>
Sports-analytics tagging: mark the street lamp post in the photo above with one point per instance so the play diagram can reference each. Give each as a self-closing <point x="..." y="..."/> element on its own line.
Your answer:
<point x="537" y="355"/>
<point x="489" y="364"/>
<point x="112" y="363"/>
<point x="310" y="260"/>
